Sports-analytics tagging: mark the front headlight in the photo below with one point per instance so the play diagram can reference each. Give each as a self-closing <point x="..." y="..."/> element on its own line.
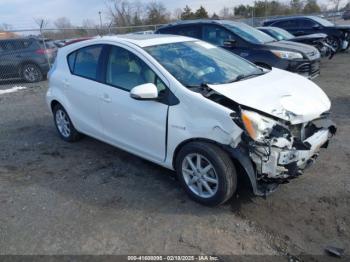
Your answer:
<point x="287" y="54"/>
<point x="257" y="126"/>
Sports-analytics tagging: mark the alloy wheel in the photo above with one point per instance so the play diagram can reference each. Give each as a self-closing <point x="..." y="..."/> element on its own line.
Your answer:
<point x="31" y="73"/>
<point x="200" y="175"/>
<point x="62" y="123"/>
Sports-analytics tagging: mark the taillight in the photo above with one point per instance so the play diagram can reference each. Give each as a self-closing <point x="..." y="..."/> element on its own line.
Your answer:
<point x="44" y="51"/>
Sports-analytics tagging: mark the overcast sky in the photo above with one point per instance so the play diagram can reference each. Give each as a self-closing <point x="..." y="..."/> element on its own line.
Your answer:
<point x="21" y="13"/>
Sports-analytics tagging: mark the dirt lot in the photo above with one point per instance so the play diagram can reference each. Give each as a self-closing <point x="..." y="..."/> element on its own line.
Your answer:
<point x="91" y="198"/>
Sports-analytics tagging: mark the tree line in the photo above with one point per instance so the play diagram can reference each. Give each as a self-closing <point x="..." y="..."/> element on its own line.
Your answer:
<point x="123" y="14"/>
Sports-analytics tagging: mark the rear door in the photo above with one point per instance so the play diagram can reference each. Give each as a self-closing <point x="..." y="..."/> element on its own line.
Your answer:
<point x="8" y="59"/>
<point x="307" y="27"/>
<point x="135" y="125"/>
<point x="291" y="26"/>
<point x="83" y="87"/>
<point x="217" y="35"/>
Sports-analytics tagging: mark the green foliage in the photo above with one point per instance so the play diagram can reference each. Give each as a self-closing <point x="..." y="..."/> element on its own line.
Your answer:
<point x="271" y="8"/>
<point x="187" y="14"/>
<point x="201" y="13"/>
<point x="311" y="7"/>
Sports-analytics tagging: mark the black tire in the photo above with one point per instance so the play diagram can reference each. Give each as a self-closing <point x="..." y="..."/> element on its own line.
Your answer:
<point x="334" y="42"/>
<point x="31" y="73"/>
<point x="224" y="171"/>
<point x="60" y="113"/>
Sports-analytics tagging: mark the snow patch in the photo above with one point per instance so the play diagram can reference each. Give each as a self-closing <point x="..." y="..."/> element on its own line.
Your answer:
<point x="12" y="90"/>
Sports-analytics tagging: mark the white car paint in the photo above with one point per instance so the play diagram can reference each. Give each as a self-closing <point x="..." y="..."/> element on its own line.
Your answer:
<point x="154" y="130"/>
<point x="277" y="92"/>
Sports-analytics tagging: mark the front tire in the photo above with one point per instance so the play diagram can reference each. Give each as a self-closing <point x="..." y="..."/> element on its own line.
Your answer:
<point x="334" y="42"/>
<point x="206" y="173"/>
<point x="64" y="125"/>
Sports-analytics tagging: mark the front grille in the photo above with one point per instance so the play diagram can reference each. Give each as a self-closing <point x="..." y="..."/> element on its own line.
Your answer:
<point x="309" y="69"/>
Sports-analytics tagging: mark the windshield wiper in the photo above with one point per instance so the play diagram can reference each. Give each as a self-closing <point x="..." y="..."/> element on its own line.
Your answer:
<point x="242" y="76"/>
<point x="202" y="85"/>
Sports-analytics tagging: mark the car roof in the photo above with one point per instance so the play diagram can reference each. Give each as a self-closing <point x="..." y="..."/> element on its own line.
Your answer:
<point x="203" y="21"/>
<point x="144" y="40"/>
<point x="289" y="18"/>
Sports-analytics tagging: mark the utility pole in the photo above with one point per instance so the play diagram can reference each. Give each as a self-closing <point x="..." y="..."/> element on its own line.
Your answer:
<point x="100" y="14"/>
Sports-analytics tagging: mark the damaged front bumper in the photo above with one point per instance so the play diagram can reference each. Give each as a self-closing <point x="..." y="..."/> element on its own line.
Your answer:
<point x="280" y="165"/>
<point x="268" y="166"/>
<point x="281" y="162"/>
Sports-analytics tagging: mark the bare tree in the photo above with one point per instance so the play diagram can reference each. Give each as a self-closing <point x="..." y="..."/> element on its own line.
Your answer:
<point x="177" y="13"/>
<point x="336" y="4"/>
<point x="156" y="13"/>
<point x="226" y="13"/>
<point x="41" y="22"/>
<point x="63" y="23"/>
<point x="121" y="12"/>
<point x="5" y="27"/>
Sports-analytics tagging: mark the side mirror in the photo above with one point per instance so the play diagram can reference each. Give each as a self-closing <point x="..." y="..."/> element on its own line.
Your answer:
<point x="230" y="43"/>
<point x="144" y="92"/>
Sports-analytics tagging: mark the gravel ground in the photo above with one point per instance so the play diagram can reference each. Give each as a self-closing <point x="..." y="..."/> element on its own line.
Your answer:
<point x="91" y="198"/>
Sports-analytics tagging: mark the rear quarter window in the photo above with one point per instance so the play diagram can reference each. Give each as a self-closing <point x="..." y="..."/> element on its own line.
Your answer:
<point x="286" y="24"/>
<point x="84" y="62"/>
<point x="190" y="31"/>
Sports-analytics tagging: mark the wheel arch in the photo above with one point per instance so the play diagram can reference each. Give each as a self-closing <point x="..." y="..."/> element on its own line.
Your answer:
<point x="239" y="156"/>
<point x="54" y="103"/>
<point x="27" y="62"/>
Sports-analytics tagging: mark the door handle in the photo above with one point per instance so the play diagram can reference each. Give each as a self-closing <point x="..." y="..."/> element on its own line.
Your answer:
<point x="106" y="98"/>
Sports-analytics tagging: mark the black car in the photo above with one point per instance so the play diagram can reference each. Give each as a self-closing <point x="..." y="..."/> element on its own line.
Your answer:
<point x="251" y="44"/>
<point x="338" y="35"/>
<point x="26" y="58"/>
<point x="346" y="15"/>
<point x="317" y="40"/>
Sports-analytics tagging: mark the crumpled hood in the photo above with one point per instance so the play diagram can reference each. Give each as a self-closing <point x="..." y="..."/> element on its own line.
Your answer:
<point x="279" y="93"/>
<point x="292" y="46"/>
<point x="312" y="36"/>
<point x="346" y="27"/>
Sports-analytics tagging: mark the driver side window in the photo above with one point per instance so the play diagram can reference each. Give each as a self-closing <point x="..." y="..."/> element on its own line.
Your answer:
<point x="216" y="35"/>
<point x="125" y="70"/>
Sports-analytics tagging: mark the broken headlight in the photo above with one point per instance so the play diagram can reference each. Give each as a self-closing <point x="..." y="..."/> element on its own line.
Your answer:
<point x="257" y="126"/>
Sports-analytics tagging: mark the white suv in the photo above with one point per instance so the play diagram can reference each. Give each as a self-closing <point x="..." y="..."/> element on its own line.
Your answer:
<point x="191" y="107"/>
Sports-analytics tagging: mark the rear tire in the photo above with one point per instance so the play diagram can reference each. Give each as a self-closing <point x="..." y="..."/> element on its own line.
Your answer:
<point x="206" y="173"/>
<point x="64" y="125"/>
<point x="31" y="73"/>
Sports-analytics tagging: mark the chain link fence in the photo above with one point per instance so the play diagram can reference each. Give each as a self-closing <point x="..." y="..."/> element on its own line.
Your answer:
<point x="26" y="55"/>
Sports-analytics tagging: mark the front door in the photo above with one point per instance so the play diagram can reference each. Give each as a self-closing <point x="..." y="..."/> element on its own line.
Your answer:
<point x="135" y="125"/>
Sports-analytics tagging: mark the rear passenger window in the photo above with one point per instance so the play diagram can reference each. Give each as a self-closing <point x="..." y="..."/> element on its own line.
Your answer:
<point x="286" y="24"/>
<point x="7" y="46"/>
<point x="84" y="62"/>
<point x="216" y="35"/>
<point x="191" y="31"/>
<point x="306" y="23"/>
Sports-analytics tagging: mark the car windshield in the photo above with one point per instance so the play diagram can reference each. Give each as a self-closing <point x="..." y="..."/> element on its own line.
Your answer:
<point x="249" y="33"/>
<point x="322" y="21"/>
<point x="281" y="34"/>
<point x="196" y="63"/>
